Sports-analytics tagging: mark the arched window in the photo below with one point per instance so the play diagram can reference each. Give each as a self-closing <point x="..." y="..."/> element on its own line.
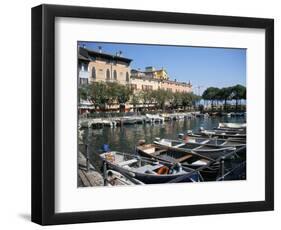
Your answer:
<point x="107" y="74"/>
<point x="127" y="76"/>
<point x="94" y="73"/>
<point x="115" y="75"/>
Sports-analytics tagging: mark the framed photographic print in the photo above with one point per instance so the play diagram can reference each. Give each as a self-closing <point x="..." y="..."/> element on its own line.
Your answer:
<point x="143" y="114"/>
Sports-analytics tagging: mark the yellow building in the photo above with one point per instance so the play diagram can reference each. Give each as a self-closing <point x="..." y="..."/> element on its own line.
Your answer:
<point x="161" y="74"/>
<point x="152" y="79"/>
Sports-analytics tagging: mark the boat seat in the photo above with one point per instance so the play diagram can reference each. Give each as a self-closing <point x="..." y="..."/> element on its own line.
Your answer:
<point x="167" y="158"/>
<point x="184" y="158"/>
<point x="205" y="142"/>
<point x="200" y="162"/>
<point x="123" y="163"/>
<point x="199" y="147"/>
<point x="179" y="145"/>
<point x="149" y="168"/>
<point x="166" y="143"/>
<point x="156" y="153"/>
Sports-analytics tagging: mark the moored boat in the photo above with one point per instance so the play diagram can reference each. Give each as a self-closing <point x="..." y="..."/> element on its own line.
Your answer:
<point x="223" y="134"/>
<point x="128" y="121"/>
<point x="114" y="178"/>
<point x="209" y="151"/>
<point x="190" y="160"/>
<point x="232" y="125"/>
<point x="215" y="141"/>
<point x="154" y="118"/>
<point x="227" y="131"/>
<point x="171" y="155"/>
<point x="147" y="171"/>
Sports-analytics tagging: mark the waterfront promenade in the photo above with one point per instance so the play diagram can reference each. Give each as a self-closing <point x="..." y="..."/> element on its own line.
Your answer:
<point x="136" y="119"/>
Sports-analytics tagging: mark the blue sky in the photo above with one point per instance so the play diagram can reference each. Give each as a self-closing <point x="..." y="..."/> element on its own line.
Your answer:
<point x="202" y="66"/>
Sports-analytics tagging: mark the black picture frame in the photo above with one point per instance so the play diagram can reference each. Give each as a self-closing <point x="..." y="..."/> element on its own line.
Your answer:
<point x="43" y="113"/>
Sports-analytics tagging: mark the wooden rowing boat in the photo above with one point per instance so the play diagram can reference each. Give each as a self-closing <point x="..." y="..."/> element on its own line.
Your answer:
<point x="219" y="134"/>
<point x="232" y="125"/>
<point x="147" y="171"/>
<point x="210" y="151"/>
<point x="214" y="141"/>
<point x="169" y="155"/>
<point x="190" y="160"/>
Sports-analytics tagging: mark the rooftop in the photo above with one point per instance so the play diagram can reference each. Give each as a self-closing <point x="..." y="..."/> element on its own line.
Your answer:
<point x="86" y="54"/>
<point x="148" y="70"/>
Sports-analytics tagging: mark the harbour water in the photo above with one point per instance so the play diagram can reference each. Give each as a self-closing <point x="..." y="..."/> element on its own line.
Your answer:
<point x="125" y="138"/>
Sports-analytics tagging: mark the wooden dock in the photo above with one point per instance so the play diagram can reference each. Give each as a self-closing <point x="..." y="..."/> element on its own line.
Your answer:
<point x="88" y="177"/>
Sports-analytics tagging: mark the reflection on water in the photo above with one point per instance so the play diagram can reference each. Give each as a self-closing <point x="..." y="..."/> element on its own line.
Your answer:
<point x="125" y="138"/>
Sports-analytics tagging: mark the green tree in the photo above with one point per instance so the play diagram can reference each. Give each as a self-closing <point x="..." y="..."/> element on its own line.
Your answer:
<point x="123" y="96"/>
<point x="195" y="98"/>
<point x="177" y="100"/>
<point x="119" y="93"/>
<point x="135" y="100"/>
<point x="186" y="100"/>
<point x="244" y="97"/>
<point x="99" y="94"/>
<point x="162" y="97"/>
<point x="238" y="93"/>
<point x="84" y="92"/>
<point x="211" y="94"/>
<point x="225" y="95"/>
<point x="145" y="97"/>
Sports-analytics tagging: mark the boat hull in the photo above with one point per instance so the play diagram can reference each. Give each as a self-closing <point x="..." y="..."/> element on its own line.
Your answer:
<point x="148" y="178"/>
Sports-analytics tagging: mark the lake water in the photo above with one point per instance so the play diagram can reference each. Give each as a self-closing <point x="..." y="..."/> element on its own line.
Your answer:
<point x="125" y="138"/>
